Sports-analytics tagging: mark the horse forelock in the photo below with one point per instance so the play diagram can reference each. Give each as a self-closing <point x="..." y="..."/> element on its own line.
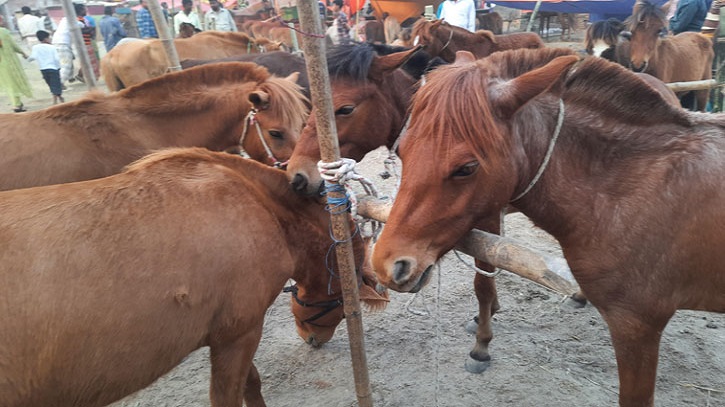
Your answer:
<point x="453" y="107"/>
<point x="193" y="84"/>
<point x="351" y="61"/>
<point x="287" y="101"/>
<point x="612" y="90"/>
<point x="606" y="30"/>
<point x="646" y="12"/>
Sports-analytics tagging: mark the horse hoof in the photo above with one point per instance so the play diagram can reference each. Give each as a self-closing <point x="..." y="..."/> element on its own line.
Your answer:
<point x="472" y="327"/>
<point x="576" y="302"/>
<point x="476" y="367"/>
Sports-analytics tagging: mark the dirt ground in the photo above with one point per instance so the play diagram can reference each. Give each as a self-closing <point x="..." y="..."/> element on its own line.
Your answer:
<point x="545" y="352"/>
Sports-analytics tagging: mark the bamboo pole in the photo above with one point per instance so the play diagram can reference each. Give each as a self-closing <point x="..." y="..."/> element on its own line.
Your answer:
<point x="75" y="33"/>
<point x="533" y="16"/>
<point x="162" y="27"/>
<point x="502" y="252"/>
<point x="692" y="85"/>
<point x="321" y="94"/>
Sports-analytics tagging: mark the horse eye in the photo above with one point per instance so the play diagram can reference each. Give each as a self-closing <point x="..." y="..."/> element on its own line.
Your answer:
<point x="466" y="170"/>
<point x="345" y="110"/>
<point x="276" y="134"/>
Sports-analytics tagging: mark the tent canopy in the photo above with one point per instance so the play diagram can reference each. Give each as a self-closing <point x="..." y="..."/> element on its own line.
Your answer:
<point x="599" y="7"/>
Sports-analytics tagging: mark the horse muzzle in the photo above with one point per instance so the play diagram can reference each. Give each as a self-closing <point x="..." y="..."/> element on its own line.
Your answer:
<point x="406" y="279"/>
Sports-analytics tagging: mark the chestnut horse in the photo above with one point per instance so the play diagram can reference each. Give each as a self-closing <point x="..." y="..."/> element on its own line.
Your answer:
<point x="108" y="284"/>
<point x="371" y="99"/>
<point x="444" y="40"/>
<point x="681" y="58"/>
<point x="629" y="185"/>
<point x="98" y="135"/>
<point x="133" y="62"/>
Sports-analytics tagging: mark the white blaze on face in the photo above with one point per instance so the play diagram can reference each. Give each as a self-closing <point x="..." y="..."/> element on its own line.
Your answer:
<point x="599" y="47"/>
<point x="416" y="40"/>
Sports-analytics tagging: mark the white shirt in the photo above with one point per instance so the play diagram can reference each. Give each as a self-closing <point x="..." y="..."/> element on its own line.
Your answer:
<point x="461" y="13"/>
<point x="181" y="17"/>
<point x="62" y="34"/>
<point x="29" y="25"/>
<point x="45" y="55"/>
<point x="221" y="20"/>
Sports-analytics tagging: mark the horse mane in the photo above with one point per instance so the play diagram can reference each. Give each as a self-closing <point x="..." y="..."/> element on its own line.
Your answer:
<point x="175" y="164"/>
<point x="644" y="11"/>
<point x="350" y="61"/>
<point x="290" y="104"/>
<point x="612" y="90"/>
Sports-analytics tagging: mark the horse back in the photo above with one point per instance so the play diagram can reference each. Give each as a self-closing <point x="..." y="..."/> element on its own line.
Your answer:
<point x="518" y="40"/>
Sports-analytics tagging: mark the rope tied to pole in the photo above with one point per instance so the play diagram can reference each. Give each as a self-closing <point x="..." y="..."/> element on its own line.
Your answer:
<point x="338" y="176"/>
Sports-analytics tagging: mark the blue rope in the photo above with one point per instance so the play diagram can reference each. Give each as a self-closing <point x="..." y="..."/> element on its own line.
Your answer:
<point x="328" y="257"/>
<point x="336" y="206"/>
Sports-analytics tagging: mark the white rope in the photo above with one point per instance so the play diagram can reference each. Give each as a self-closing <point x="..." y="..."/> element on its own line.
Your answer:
<point x="251" y="118"/>
<point x="550" y="150"/>
<point x="474" y="268"/>
<point x="343" y="173"/>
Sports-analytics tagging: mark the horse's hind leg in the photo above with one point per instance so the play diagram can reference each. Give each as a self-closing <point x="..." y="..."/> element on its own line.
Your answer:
<point x="485" y="288"/>
<point x="253" y="391"/>
<point x="231" y="364"/>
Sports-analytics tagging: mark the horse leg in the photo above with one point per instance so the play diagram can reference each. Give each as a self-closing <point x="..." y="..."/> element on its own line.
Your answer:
<point x="231" y="363"/>
<point x="485" y="289"/>
<point x="253" y="391"/>
<point x="701" y="97"/>
<point x="636" y="341"/>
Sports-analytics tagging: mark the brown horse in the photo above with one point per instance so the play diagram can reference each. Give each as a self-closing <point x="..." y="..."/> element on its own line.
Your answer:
<point x="108" y="284"/>
<point x="99" y="134"/>
<point x="601" y="38"/>
<point x="133" y="62"/>
<point x="371" y="98"/>
<point x="444" y="40"/>
<point x="684" y="57"/>
<point x="629" y="185"/>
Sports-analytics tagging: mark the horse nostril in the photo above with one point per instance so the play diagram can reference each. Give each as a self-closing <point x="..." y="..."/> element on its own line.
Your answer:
<point x="401" y="270"/>
<point x="299" y="183"/>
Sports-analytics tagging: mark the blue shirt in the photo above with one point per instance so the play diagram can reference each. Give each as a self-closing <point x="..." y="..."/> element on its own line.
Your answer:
<point x="112" y="31"/>
<point x="145" y="23"/>
<point x="690" y="16"/>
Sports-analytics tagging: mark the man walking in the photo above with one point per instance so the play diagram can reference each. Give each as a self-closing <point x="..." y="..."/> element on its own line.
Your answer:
<point x="219" y="19"/>
<point x="111" y="29"/>
<point x="29" y="25"/>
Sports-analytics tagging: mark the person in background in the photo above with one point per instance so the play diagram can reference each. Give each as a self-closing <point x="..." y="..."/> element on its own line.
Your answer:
<point x="46" y="56"/>
<point x="712" y="20"/>
<point x="28" y="25"/>
<point x="218" y="18"/>
<point x="12" y="76"/>
<point x="689" y="16"/>
<point x="111" y="29"/>
<point x="48" y="23"/>
<point x="146" y="27"/>
<point x="88" y="30"/>
<point x="461" y="13"/>
<point x="186" y="15"/>
<point x="63" y="44"/>
<point x="343" y="29"/>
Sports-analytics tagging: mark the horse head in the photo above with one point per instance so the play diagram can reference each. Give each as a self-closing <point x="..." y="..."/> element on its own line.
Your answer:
<point x="602" y="36"/>
<point x="317" y="303"/>
<point x="273" y="125"/>
<point x="646" y="25"/>
<point x="370" y="96"/>
<point x="458" y="115"/>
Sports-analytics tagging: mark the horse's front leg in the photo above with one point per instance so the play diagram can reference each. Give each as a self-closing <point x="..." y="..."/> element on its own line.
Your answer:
<point x="253" y="391"/>
<point x="636" y="339"/>
<point x="231" y="363"/>
<point x="485" y="289"/>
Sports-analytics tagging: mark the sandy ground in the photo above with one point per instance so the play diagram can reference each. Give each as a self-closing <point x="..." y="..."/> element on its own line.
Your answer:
<point x="545" y="353"/>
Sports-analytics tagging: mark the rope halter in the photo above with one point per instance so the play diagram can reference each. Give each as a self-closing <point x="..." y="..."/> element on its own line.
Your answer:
<point x="251" y="120"/>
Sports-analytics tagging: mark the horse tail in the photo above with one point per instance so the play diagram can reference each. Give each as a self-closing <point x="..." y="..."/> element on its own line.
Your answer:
<point x="113" y="82"/>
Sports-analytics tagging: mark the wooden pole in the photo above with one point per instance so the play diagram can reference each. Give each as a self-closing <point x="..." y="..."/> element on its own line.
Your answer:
<point x="162" y="27"/>
<point x="502" y="252"/>
<point x="75" y="33"/>
<point x="692" y="85"/>
<point x="313" y="46"/>
<point x="533" y="16"/>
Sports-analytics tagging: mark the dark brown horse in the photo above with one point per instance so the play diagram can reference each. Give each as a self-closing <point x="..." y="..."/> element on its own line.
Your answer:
<point x="681" y="58"/>
<point x="629" y="185"/>
<point x="371" y="98"/>
<point x="108" y="284"/>
<point x="98" y="135"/>
<point x="601" y="38"/>
<point x="444" y="40"/>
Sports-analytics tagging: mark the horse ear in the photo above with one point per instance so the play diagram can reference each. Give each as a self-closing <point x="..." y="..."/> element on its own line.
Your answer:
<point x="371" y="293"/>
<point x="293" y="77"/>
<point x="516" y="92"/>
<point x="463" y="57"/>
<point x="259" y="99"/>
<point x="435" y="24"/>
<point x="388" y="63"/>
